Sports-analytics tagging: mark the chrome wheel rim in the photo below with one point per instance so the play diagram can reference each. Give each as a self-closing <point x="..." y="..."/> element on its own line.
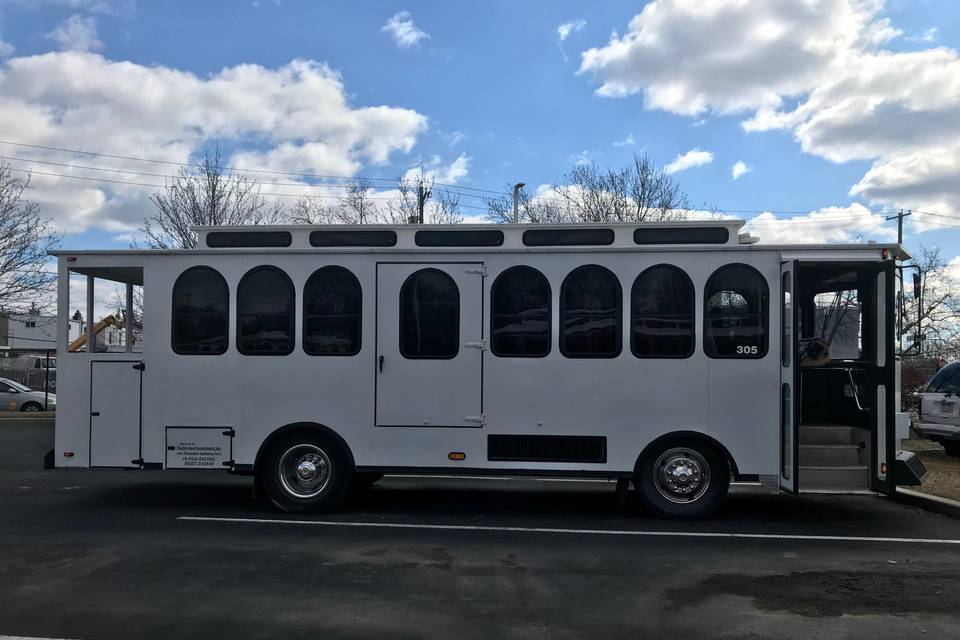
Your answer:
<point x="304" y="471"/>
<point x="681" y="475"/>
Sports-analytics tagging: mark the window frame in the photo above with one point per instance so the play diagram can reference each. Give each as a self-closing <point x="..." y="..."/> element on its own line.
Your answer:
<point x="293" y="311"/>
<point x="561" y="314"/>
<point x="359" y="291"/>
<point x="764" y="313"/>
<point x="248" y="239"/>
<point x="493" y="288"/>
<point x="173" y="313"/>
<point x="400" y="323"/>
<point x="693" y="313"/>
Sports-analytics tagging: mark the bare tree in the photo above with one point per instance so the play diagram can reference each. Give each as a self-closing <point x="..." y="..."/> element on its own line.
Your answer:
<point x="358" y="205"/>
<point x="313" y="210"/>
<point x="207" y="196"/>
<point x="446" y="208"/>
<point x="25" y="238"/>
<point x="637" y="192"/>
<point x="413" y="193"/>
<point x="936" y="313"/>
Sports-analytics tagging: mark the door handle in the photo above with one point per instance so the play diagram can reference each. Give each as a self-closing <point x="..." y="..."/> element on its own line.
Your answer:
<point x="94" y="413"/>
<point x="380" y="360"/>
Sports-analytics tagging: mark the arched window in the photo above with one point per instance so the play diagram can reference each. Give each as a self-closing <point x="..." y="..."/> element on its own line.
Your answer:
<point x="265" y="312"/>
<point x="200" y="312"/>
<point x="662" y="312"/>
<point x="520" y="314"/>
<point x="429" y="316"/>
<point x="735" y="313"/>
<point x="331" y="313"/>
<point x="591" y="306"/>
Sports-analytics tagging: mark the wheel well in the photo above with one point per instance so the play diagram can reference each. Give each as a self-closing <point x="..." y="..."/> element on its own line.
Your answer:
<point x="305" y="427"/>
<point x="687" y="436"/>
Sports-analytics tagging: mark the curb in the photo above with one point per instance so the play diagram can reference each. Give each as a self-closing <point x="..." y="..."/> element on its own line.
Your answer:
<point x="936" y="504"/>
<point x="20" y="416"/>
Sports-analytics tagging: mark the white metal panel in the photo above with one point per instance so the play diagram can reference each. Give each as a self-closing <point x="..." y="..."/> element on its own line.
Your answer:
<point x="114" y="414"/>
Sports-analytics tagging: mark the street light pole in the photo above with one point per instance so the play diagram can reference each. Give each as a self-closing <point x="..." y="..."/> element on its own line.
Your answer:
<point x="516" y="200"/>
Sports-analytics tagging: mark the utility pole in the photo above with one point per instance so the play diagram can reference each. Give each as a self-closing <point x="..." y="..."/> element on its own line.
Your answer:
<point x="423" y="194"/>
<point x="899" y="218"/>
<point x="516" y="201"/>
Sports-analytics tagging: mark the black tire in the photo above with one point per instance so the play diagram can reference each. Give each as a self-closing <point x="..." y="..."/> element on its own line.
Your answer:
<point x="279" y="472"/>
<point x="952" y="449"/>
<point x="689" y="499"/>
<point x="31" y="407"/>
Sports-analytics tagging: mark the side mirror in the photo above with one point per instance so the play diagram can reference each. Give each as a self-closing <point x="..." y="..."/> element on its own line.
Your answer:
<point x="917" y="285"/>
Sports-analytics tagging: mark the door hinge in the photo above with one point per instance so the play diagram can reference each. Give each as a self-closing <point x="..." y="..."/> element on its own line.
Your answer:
<point x="482" y="345"/>
<point x="480" y="419"/>
<point x="230" y="432"/>
<point x="140" y="366"/>
<point x="482" y="270"/>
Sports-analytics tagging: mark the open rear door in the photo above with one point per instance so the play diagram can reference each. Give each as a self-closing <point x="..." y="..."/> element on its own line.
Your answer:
<point x="789" y="380"/>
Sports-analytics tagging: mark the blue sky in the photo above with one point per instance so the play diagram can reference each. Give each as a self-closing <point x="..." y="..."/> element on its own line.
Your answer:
<point x="485" y="94"/>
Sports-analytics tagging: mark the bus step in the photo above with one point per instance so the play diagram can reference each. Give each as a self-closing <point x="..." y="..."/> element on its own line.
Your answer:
<point x="829" y="455"/>
<point x="846" y="477"/>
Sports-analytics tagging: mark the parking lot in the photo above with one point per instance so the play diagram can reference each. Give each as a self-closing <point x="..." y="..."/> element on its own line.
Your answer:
<point x="115" y="554"/>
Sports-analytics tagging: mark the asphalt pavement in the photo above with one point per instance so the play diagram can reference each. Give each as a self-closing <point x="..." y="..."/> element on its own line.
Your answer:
<point x="152" y="554"/>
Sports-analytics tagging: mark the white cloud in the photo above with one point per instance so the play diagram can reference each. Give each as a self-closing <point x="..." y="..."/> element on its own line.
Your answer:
<point x="831" y="224"/>
<point x="77" y="33"/>
<point x="403" y="30"/>
<point x="296" y="118"/>
<point x="565" y="29"/>
<point x="689" y="160"/>
<point x="834" y="86"/>
<point x="930" y="35"/>
<point x="6" y="49"/>
<point x="440" y="173"/>
<point x="581" y="158"/>
<point x="739" y="169"/>
<point x="626" y="142"/>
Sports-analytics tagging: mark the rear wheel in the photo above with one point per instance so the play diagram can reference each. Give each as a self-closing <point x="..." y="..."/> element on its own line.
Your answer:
<point x="31" y="407"/>
<point x="682" y="479"/>
<point x="305" y="471"/>
<point x="952" y="449"/>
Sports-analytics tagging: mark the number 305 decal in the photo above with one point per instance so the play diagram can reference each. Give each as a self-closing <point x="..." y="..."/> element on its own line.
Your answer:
<point x="747" y="351"/>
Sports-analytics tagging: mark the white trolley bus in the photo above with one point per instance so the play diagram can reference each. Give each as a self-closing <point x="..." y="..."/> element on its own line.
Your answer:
<point x="668" y="354"/>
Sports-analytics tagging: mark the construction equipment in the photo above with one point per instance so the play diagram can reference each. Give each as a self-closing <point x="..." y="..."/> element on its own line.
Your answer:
<point x="97" y="328"/>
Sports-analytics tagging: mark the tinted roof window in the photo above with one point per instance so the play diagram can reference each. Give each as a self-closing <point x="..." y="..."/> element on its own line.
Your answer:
<point x="567" y="237"/>
<point x="356" y="238"/>
<point x="484" y="238"/>
<point x="681" y="235"/>
<point x="233" y="239"/>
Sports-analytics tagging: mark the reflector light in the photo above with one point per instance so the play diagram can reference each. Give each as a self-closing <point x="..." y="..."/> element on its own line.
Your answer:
<point x="885" y="254"/>
<point x="71" y="258"/>
<point x="457" y="455"/>
<point x="68" y="454"/>
<point x="883" y="468"/>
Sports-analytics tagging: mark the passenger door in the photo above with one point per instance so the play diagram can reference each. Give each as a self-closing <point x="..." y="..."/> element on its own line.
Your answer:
<point x="115" y="421"/>
<point x="429" y="345"/>
<point x="789" y="383"/>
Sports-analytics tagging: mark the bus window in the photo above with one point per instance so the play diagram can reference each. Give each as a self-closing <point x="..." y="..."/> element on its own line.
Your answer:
<point x="661" y="313"/>
<point x="200" y="312"/>
<point x="735" y="313"/>
<point x="591" y="306"/>
<point x="429" y="316"/>
<point x="520" y="314"/>
<point x="265" y="313"/>
<point x="331" y="313"/>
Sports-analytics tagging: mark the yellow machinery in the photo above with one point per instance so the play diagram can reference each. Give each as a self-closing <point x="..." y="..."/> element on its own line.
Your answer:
<point x="97" y="328"/>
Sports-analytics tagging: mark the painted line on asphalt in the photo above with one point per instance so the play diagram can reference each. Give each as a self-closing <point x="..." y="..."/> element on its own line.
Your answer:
<point x="601" y="532"/>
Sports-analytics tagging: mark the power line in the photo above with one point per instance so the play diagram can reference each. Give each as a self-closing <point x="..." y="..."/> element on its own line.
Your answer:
<point x="237" y="169"/>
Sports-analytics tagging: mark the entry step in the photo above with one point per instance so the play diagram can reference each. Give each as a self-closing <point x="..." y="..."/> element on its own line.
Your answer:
<point x="830" y="455"/>
<point x="834" y="477"/>
<point x="827" y="434"/>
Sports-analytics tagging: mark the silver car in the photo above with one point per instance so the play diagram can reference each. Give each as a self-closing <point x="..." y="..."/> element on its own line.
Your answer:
<point x="17" y="397"/>
<point x="939" y="418"/>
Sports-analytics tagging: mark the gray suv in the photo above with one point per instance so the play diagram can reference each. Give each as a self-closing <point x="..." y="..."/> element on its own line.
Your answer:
<point x="939" y="418"/>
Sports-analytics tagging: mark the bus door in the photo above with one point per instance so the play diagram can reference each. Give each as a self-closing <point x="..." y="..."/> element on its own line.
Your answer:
<point x="115" y="416"/>
<point x="789" y="382"/>
<point x="429" y="360"/>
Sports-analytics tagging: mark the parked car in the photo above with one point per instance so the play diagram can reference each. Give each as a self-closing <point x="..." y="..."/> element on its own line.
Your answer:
<point x="939" y="418"/>
<point x="17" y="397"/>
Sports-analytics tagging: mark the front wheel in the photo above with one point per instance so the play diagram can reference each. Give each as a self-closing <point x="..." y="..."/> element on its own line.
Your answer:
<point x="304" y="471"/>
<point x="31" y="407"/>
<point x="682" y="480"/>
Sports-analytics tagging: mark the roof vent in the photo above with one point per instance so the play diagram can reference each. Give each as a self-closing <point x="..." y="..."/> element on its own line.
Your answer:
<point x="746" y="238"/>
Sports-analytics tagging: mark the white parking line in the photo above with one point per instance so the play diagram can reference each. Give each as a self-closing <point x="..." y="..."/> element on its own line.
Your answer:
<point x="602" y="532"/>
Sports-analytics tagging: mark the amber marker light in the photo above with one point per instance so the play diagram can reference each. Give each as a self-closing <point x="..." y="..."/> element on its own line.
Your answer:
<point x="457" y="455"/>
